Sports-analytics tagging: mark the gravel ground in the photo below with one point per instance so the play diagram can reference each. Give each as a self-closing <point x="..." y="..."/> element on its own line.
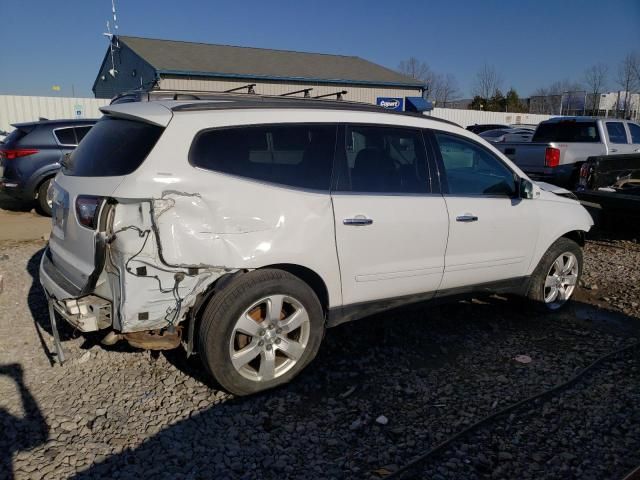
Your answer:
<point x="381" y="392"/>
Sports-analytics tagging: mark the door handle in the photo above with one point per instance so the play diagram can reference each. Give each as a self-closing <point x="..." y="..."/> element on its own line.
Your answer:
<point x="467" y="217"/>
<point x="637" y="150"/>
<point x="613" y="150"/>
<point x="359" y="220"/>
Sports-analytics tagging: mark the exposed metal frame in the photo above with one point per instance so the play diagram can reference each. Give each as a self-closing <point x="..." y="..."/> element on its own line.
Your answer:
<point x="305" y="90"/>
<point x="338" y="94"/>
<point x="248" y="86"/>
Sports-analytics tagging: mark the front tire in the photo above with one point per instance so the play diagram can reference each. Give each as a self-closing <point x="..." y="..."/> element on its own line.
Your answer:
<point x="260" y="331"/>
<point x="557" y="275"/>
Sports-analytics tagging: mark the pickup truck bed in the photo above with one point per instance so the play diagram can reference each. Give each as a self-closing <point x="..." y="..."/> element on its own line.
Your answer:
<point x="613" y="183"/>
<point x="561" y="145"/>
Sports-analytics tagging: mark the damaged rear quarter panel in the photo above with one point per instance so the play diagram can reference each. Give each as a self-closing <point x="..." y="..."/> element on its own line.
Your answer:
<point x="215" y="222"/>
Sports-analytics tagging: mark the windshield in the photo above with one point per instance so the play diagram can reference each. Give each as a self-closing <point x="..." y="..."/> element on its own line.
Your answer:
<point x="114" y="146"/>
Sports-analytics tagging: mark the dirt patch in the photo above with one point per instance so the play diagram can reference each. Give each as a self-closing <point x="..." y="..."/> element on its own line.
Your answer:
<point x="20" y="221"/>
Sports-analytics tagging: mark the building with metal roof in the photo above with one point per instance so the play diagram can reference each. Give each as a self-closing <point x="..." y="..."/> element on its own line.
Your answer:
<point x="133" y="63"/>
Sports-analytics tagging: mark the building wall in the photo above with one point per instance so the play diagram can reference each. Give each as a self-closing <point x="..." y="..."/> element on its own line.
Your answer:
<point x="20" y="108"/>
<point x="358" y="93"/>
<point x="465" y="118"/>
<point x="132" y="72"/>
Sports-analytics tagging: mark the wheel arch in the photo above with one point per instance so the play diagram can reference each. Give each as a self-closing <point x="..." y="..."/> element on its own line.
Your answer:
<point x="310" y="277"/>
<point x="577" y="236"/>
<point x="38" y="178"/>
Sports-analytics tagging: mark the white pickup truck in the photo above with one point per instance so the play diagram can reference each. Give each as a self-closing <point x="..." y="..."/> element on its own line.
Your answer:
<point x="561" y="145"/>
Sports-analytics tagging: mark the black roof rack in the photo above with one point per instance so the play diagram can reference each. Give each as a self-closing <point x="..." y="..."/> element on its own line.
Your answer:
<point x="233" y="100"/>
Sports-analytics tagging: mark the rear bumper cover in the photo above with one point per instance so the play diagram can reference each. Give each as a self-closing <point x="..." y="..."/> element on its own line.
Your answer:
<point x="54" y="281"/>
<point x="13" y="189"/>
<point x="85" y="312"/>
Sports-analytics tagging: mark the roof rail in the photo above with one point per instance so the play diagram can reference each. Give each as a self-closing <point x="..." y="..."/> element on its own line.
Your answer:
<point x="253" y="100"/>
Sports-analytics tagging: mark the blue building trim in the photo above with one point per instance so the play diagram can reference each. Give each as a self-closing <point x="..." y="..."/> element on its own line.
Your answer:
<point x="296" y="79"/>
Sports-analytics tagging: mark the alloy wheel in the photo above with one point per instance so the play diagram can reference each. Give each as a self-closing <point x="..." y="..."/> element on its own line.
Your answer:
<point x="561" y="280"/>
<point x="269" y="338"/>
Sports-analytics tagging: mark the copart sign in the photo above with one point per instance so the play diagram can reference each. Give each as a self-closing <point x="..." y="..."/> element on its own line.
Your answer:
<point x="390" y="103"/>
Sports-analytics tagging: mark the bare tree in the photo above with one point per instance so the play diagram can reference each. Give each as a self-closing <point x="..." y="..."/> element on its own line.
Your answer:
<point x="627" y="79"/>
<point x="414" y="68"/>
<point x="443" y="89"/>
<point x="595" y="78"/>
<point x="488" y="80"/>
<point x="539" y="102"/>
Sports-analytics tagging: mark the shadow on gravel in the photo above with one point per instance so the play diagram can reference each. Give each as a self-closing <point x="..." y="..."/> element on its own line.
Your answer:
<point x="19" y="433"/>
<point x="352" y="379"/>
<point x="13" y="205"/>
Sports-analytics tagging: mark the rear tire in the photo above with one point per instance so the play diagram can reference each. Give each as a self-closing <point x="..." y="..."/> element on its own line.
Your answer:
<point x="44" y="201"/>
<point x="557" y="275"/>
<point x="260" y="331"/>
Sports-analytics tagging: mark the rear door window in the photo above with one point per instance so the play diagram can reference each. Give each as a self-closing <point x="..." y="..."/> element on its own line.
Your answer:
<point x="384" y="160"/>
<point x="616" y="132"/>
<point x="567" y="131"/>
<point x="634" y="130"/>
<point x="295" y="155"/>
<point x="113" y="147"/>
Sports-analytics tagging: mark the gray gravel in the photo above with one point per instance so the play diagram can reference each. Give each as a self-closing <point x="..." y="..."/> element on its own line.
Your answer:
<point x="381" y="392"/>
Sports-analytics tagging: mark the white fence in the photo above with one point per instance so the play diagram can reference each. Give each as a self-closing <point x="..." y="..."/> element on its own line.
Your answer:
<point x="465" y="118"/>
<point x="19" y="108"/>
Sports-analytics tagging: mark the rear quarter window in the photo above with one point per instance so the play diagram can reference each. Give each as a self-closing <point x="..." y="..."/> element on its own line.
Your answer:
<point x="295" y="155"/>
<point x="113" y="147"/>
<point x="65" y="136"/>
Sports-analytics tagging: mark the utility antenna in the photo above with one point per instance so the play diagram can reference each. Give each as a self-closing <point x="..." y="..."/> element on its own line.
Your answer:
<point x="113" y="38"/>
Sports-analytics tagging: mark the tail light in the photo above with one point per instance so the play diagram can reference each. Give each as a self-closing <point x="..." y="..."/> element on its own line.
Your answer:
<point x="13" y="153"/>
<point x="87" y="210"/>
<point x="551" y="157"/>
<point x="585" y="170"/>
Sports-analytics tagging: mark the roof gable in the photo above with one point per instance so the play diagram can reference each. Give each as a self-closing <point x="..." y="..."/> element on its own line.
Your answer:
<point x="168" y="56"/>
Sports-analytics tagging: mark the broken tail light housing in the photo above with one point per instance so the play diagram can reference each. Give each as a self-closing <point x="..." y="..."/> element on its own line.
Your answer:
<point x="13" y="153"/>
<point x="551" y="157"/>
<point x="87" y="210"/>
<point x="585" y="172"/>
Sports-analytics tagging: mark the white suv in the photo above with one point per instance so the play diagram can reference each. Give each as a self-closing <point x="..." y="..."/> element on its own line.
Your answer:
<point x="242" y="227"/>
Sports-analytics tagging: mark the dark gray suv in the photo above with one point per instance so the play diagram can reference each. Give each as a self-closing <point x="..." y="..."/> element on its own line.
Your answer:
<point x="30" y="157"/>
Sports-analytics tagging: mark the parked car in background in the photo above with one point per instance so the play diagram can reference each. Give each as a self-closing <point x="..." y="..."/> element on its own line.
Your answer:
<point x="612" y="183"/>
<point x="561" y="145"/>
<point x="479" y="128"/>
<point x="242" y="227"/>
<point x="508" y="135"/>
<point x="30" y="157"/>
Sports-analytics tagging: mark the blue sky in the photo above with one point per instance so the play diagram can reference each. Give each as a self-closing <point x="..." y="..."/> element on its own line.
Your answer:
<point x="531" y="43"/>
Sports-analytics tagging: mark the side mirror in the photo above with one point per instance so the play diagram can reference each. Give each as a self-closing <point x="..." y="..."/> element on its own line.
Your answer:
<point x="525" y="188"/>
